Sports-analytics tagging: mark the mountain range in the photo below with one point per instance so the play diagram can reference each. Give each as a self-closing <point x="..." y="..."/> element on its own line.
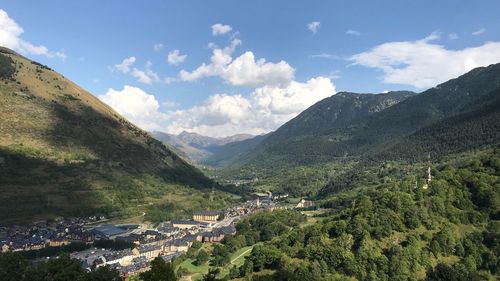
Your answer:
<point x="205" y="150"/>
<point x="64" y="152"/>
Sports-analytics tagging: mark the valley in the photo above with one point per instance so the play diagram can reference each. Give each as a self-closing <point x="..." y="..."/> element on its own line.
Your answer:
<point x="269" y="141"/>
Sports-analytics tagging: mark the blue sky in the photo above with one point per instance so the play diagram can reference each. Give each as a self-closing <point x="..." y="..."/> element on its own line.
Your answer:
<point x="312" y="49"/>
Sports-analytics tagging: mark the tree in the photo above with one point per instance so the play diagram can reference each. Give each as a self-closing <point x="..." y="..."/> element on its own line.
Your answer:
<point x="12" y="267"/>
<point x="182" y="271"/>
<point x="221" y="255"/>
<point x="201" y="258"/>
<point x="196" y="244"/>
<point x="212" y="275"/>
<point x="160" y="271"/>
<point x="103" y="273"/>
<point x="247" y="268"/>
<point x="234" y="272"/>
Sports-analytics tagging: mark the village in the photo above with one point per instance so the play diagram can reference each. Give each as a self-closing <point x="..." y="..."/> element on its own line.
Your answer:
<point x="168" y="239"/>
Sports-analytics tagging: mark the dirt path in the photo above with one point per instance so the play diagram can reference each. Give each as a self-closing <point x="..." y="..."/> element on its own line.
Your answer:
<point x="241" y="255"/>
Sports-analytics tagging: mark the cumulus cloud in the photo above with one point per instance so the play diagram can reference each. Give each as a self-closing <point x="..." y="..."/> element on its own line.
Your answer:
<point x="175" y="58"/>
<point x="244" y="70"/>
<point x="423" y="63"/>
<point x="353" y="32"/>
<point x="146" y="75"/>
<point x="220" y="29"/>
<point x="10" y="37"/>
<point x="314" y="26"/>
<point x="137" y="106"/>
<point x="124" y="66"/>
<point x="479" y="31"/>
<point x="266" y="109"/>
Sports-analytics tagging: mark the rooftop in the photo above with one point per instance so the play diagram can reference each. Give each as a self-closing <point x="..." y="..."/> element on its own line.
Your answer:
<point x="207" y="213"/>
<point x="109" y="230"/>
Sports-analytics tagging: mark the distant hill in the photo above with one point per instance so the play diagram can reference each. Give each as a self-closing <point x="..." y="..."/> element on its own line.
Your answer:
<point x="226" y="154"/>
<point x="64" y="152"/>
<point x="208" y="150"/>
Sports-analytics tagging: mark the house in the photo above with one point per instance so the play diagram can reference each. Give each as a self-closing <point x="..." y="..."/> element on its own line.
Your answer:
<point x="149" y="251"/>
<point x="207" y="216"/>
<point x="58" y="242"/>
<point x="304" y="204"/>
<point x="279" y="196"/>
<point x="168" y="257"/>
<point x="178" y="245"/>
<point x="218" y="234"/>
<point x="5" y="247"/>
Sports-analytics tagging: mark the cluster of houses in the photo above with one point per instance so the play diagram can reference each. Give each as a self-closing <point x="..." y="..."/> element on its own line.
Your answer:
<point x="167" y="240"/>
<point x="43" y="234"/>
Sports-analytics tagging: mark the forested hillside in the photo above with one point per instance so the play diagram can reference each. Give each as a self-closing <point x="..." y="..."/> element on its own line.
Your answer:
<point x="395" y="231"/>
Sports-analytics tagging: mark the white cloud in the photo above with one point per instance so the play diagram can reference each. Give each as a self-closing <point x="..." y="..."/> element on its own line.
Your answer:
<point x="10" y="37"/>
<point x="220" y="29"/>
<point x="158" y="47"/>
<point x="479" y="31"/>
<point x="147" y="75"/>
<point x="424" y="64"/>
<point x="314" y="26"/>
<point x="137" y="106"/>
<point x="244" y="70"/>
<point x="175" y="58"/>
<point x="352" y="32"/>
<point x="124" y="66"/>
<point x="326" y="56"/>
<point x="453" y="36"/>
<point x="264" y="110"/>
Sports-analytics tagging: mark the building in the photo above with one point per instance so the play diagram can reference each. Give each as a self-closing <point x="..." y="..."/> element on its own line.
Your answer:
<point x="218" y="234"/>
<point x="108" y="231"/>
<point x="304" y="204"/>
<point x="188" y="224"/>
<point x="207" y="216"/>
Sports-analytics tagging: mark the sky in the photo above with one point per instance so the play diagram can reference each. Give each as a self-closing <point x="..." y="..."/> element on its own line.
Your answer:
<point x="221" y="68"/>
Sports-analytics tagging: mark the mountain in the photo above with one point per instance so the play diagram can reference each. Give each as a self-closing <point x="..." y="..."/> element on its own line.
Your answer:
<point x="208" y="150"/>
<point x="339" y="111"/>
<point x="209" y="143"/>
<point x="310" y="136"/>
<point x="348" y="132"/>
<point x="64" y="152"/>
<point x="183" y="149"/>
<point x="226" y="154"/>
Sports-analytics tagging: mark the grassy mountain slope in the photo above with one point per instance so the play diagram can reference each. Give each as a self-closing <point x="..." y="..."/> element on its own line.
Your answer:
<point x="64" y="152"/>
